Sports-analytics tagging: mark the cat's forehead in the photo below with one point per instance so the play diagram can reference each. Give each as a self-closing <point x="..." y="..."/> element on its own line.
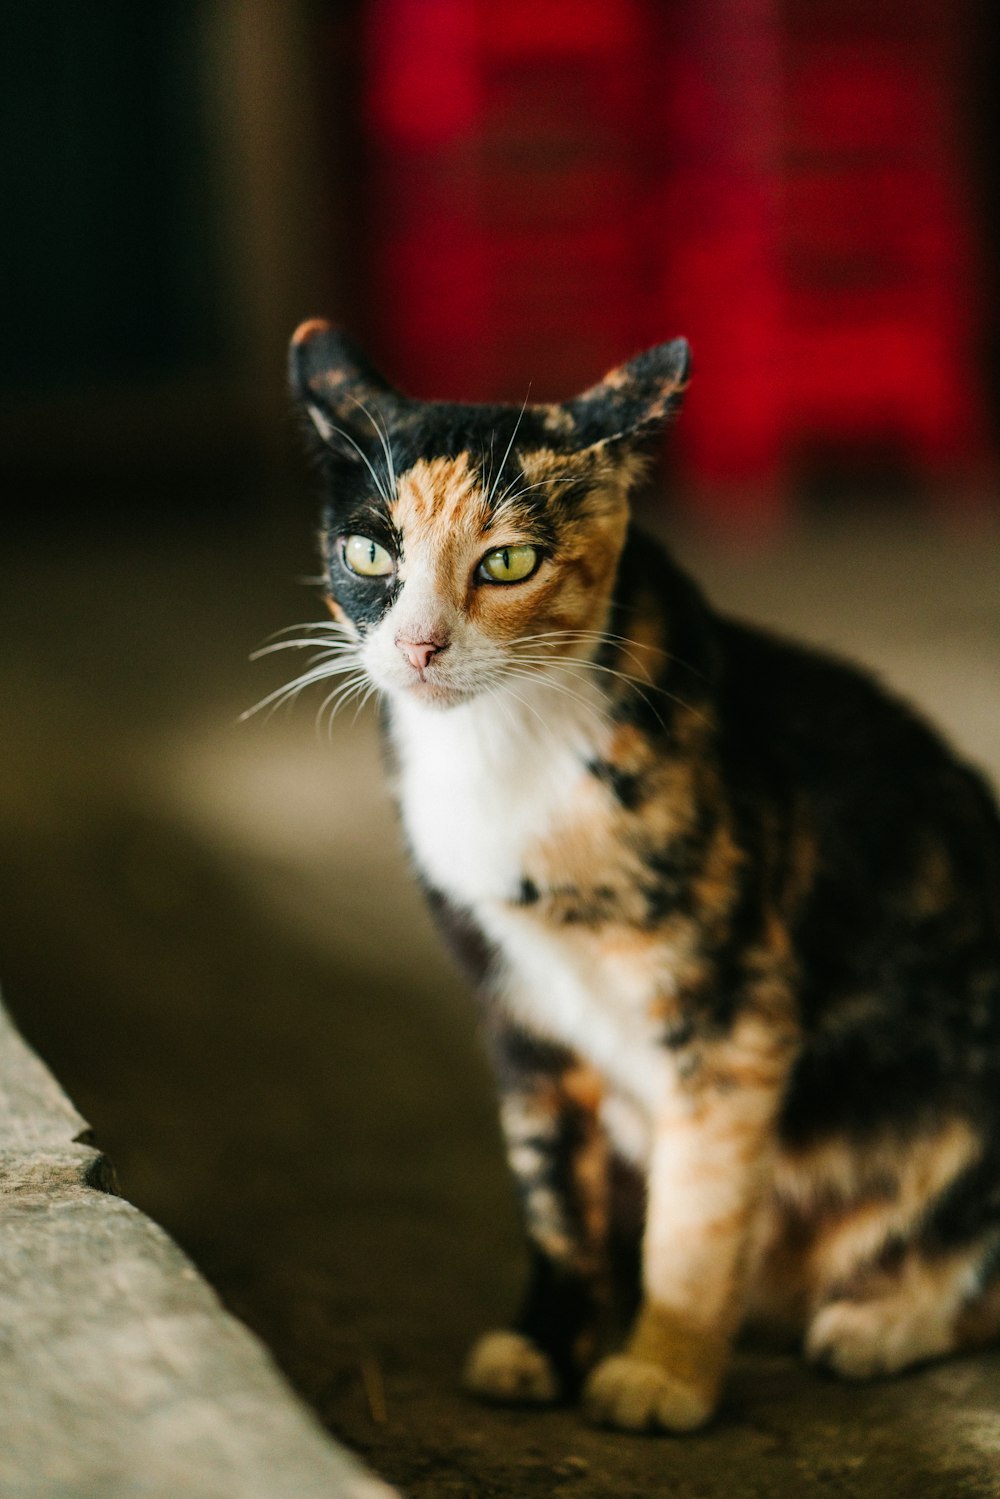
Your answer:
<point x="451" y="502"/>
<point x="490" y="436"/>
<point x="464" y="470"/>
<point x="440" y="499"/>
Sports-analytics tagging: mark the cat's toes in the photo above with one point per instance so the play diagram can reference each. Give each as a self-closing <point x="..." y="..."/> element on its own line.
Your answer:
<point x="508" y="1366"/>
<point x="635" y="1394"/>
<point x="842" y="1337"/>
<point x="866" y="1339"/>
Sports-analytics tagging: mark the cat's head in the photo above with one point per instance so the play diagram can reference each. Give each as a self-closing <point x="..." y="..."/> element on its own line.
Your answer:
<point x="465" y="543"/>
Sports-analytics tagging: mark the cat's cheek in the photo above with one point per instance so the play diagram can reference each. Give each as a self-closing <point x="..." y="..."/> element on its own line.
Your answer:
<point x="338" y="612"/>
<point x="502" y="613"/>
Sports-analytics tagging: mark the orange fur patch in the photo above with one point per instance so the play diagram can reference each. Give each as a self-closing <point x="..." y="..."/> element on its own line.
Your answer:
<point x="692" y="1353"/>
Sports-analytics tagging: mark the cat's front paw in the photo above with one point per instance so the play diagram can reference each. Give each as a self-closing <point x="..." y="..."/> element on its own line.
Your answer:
<point x="636" y="1394"/>
<point x="509" y="1367"/>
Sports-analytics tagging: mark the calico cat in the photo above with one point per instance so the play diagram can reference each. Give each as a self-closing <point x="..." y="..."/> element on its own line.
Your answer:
<point x="732" y="911"/>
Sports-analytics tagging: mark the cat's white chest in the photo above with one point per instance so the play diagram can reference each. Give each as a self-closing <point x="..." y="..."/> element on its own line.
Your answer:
<point x="477" y="790"/>
<point x="477" y="797"/>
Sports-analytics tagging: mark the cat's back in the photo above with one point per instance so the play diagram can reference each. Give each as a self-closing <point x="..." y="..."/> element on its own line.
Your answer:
<point x="801" y="722"/>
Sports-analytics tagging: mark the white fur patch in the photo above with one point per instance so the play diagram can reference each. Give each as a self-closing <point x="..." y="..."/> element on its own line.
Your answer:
<point x="479" y="782"/>
<point x="507" y="1366"/>
<point x="866" y="1339"/>
<point x="478" y="786"/>
<point x="635" y="1394"/>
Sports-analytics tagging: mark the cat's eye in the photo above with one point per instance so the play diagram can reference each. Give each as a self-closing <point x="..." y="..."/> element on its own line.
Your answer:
<point x="363" y="555"/>
<point x="509" y="564"/>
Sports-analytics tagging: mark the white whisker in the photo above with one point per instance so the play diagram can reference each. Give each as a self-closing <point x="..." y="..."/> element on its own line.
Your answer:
<point x="549" y="683"/>
<point x="364" y="458"/>
<point x="508" y="499"/>
<point x="327" y="626"/>
<point x="292" y="689"/>
<point x="641" y="686"/>
<point x="366" y="697"/>
<point x="339" y="698"/>
<point x="503" y="460"/>
<point x="315" y="642"/>
<point x="610" y="637"/>
<point x="383" y="436"/>
<point x="506" y="687"/>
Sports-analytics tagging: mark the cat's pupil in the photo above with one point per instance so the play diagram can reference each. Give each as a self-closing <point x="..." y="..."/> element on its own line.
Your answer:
<point x="506" y="559"/>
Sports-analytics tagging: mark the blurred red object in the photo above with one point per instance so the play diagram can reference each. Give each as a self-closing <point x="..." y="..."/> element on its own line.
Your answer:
<point x="558" y="183"/>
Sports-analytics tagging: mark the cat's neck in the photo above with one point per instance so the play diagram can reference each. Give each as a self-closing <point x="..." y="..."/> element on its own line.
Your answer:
<point x="563" y="706"/>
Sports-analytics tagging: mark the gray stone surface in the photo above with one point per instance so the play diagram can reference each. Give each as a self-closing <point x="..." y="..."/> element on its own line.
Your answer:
<point x="120" y="1373"/>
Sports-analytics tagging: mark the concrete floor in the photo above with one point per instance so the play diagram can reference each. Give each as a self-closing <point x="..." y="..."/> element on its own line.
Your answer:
<point x="209" y="933"/>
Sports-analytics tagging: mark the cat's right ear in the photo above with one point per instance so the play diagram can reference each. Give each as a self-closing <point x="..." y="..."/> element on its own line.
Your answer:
<point x="345" y="397"/>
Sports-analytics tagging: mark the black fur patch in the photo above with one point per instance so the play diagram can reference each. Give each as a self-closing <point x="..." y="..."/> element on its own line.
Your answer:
<point x="625" y="786"/>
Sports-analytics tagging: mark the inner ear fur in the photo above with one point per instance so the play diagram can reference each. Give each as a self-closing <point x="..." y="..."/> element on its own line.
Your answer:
<point x="343" y="393"/>
<point x="634" y="399"/>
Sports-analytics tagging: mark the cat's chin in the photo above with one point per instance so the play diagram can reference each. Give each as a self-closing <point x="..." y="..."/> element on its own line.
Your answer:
<point x="435" y="695"/>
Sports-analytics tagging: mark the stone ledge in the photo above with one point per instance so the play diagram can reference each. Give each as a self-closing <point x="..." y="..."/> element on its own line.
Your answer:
<point x="122" y="1375"/>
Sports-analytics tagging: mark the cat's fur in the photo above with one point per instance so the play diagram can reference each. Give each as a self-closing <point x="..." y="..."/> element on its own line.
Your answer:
<point x="733" y="912"/>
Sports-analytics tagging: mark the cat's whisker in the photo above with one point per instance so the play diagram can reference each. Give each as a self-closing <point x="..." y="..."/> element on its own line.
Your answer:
<point x="492" y="492"/>
<point x="555" y="638"/>
<point x="506" y="687"/>
<point x="383" y="437"/>
<point x="669" y="655"/>
<point x="365" y="699"/>
<point x="329" y="627"/>
<point x="549" y="684"/>
<point x="487" y="477"/>
<point x="364" y="458"/>
<point x="554" y="687"/>
<point x="567" y="636"/>
<point x="636" y="684"/>
<point x="341" y="694"/>
<point x="291" y="690"/>
<point x="314" y="643"/>
<point x="339" y="698"/>
<point x="598" y="637"/>
<point x="610" y="637"/>
<point x="508" y="499"/>
<point x="499" y="697"/>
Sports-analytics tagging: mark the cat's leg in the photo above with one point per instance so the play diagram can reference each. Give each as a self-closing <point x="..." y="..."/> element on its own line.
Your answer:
<point x="929" y="1307"/>
<point x="712" y="1148"/>
<point x="557" y="1153"/>
<point x="924" y="1277"/>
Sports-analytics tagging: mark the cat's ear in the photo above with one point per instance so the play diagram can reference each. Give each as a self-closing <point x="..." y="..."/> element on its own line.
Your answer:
<point x="346" y="398"/>
<point x="636" y="399"/>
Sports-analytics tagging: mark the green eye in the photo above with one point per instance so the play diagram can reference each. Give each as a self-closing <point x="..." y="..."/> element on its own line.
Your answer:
<point x="509" y="564"/>
<point x="364" y="556"/>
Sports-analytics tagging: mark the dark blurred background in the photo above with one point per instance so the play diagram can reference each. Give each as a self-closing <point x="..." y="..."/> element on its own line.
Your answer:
<point x="492" y="196"/>
<point x="207" y="925"/>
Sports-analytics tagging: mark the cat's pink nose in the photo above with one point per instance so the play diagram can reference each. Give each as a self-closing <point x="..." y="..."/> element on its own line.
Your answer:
<point x="419" y="652"/>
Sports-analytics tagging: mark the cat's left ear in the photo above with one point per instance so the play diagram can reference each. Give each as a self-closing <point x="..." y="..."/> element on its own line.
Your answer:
<point x="344" y="395"/>
<point x="635" y="399"/>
